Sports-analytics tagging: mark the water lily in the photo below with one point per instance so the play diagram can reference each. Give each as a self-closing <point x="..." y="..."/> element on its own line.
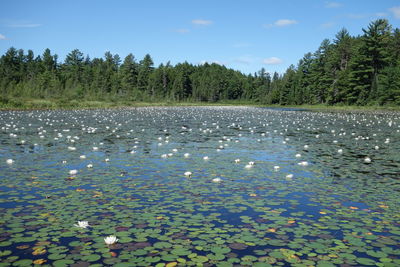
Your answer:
<point x="10" y="161"/>
<point x="367" y="160"/>
<point x="82" y="224"/>
<point x="216" y="180"/>
<point x="303" y="163"/>
<point x="188" y="174"/>
<point x="276" y="168"/>
<point x="109" y="240"/>
<point x="73" y="172"/>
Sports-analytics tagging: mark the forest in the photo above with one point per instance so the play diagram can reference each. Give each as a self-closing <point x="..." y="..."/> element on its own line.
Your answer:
<point x="348" y="70"/>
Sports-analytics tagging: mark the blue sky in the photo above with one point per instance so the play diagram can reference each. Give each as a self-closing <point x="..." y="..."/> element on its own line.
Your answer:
<point x="243" y="35"/>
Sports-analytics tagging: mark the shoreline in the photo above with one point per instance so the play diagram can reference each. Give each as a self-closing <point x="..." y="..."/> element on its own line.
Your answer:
<point x="46" y="104"/>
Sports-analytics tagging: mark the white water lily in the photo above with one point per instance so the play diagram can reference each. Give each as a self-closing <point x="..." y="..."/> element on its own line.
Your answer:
<point x="340" y="151"/>
<point x="289" y="176"/>
<point x="186" y="155"/>
<point x="205" y="158"/>
<point x="276" y="168"/>
<point x="248" y="166"/>
<point x="367" y="160"/>
<point x="10" y="161"/>
<point x="73" y="172"/>
<point x="188" y="174"/>
<point x="303" y="163"/>
<point x="216" y="180"/>
<point x="82" y="224"/>
<point x="109" y="240"/>
<point x="237" y="160"/>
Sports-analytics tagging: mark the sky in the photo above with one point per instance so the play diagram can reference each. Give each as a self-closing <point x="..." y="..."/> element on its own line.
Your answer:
<point x="243" y="35"/>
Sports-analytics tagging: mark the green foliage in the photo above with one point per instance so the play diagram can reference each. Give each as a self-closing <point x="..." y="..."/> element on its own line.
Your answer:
<point x="363" y="70"/>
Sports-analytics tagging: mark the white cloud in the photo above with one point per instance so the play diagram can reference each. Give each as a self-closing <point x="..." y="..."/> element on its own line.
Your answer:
<point x="202" y="22"/>
<point x="2" y="37"/>
<point x="357" y="16"/>
<point x="380" y="14"/>
<point x="327" y="25"/>
<point x="396" y="11"/>
<point x="244" y="60"/>
<point x="272" y="61"/>
<point x="282" y="23"/>
<point x="183" y="31"/>
<point x="24" y="25"/>
<point x="333" y="4"/>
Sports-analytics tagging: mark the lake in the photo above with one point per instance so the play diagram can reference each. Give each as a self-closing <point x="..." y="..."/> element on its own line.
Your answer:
<point x="199" y="186"/>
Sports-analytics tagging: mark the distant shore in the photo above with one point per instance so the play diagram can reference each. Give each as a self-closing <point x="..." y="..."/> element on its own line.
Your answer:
<point x="44" y="104"/>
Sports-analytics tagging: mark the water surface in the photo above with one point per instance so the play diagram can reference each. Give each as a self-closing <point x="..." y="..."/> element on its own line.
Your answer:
<point x="334" y="208"/>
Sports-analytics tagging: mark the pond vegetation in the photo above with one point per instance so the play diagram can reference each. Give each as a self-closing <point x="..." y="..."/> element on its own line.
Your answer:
<point x="199" y="186"/>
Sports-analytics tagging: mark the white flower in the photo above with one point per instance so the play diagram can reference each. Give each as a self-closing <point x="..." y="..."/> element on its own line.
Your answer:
<point x="289" y="176"/>
<point x="73" y="172"/>
<point x="298" y="155"/>
<point x="188" y="174"/>
<point x="10" y="161"/>
<point x="303" y="163"/>
<point x="340" y="151"/>
<point x="367" y="160"/>
<point x="276" y="168"/>
<point x="216" y="180"/>
<point x="248" y="166"/>
<point x="205" y="158"/>
<point x="82" y="224"/>
<point x="90" y="166"/>
<point x="237" y="160"/>
<point x="109" y="240"/>
<point x="186" y="155"/>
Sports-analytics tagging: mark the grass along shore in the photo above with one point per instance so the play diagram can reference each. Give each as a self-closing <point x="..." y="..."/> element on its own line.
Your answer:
<point x="40" y="104"/>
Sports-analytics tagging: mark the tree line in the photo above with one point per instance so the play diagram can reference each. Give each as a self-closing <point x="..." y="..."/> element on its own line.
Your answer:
<point x="350" y="70"/>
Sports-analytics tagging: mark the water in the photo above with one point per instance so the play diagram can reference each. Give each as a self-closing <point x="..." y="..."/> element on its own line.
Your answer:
<point x="335" y="209"/>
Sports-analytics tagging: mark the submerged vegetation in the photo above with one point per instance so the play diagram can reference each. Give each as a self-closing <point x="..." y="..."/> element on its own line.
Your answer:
<point x="361" y="70"/>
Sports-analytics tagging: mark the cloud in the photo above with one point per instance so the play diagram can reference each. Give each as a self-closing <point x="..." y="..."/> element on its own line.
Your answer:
<point x="272" y="61"/>
<point x="247" y="60"/>
<point x="202" y="22"/>
<point x="281" y="23"/>
<point x="356" y="16"/>
<point x="2" y="37"/>
<point x="327" y="25"/>
<point x="183" y="31"/>
<point x="380" y="14"/>
<point x="333" y="4"/>
<point x="396" y="11"/>
<point x="24" y="25"/>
